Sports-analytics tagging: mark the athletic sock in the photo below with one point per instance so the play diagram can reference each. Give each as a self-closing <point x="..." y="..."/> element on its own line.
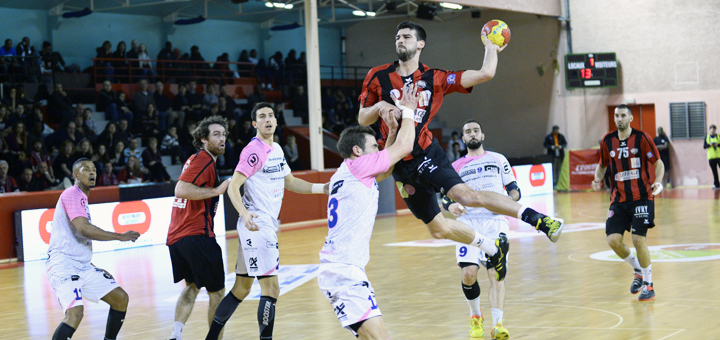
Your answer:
<point x="114" y="323"/>
<point x="531" y="217"/>
<point x="647" y="273"/>
<point x="486" y="244"/>
<point x="224" y="311"/>
<point x="266" y="316"/>
<point x="177" y="330"/>
<point x="63" y="332"/>
<point x="472" y="294"/>
<point x="497" y="315"/>
<point x="633" y="261"/>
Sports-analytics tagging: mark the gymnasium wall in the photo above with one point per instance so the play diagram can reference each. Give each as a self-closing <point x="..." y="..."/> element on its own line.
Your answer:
<point x="76" y="39"/>
<point x="666" y="52"/>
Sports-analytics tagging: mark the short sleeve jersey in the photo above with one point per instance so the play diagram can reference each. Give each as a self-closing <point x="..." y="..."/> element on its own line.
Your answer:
<point x="630" y="163"/>
<point x="195" y="217"/>
<point x="433" y="85"/>
<point x="265" y="168"/>
<point x="66" y="243"/>
<point x="352" y="207"/>
<point x="489" y="172"/>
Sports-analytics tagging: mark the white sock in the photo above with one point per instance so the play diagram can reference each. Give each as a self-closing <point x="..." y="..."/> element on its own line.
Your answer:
<point x="633" y="261"/>
<point x="486" y="244"/>
<point x="522" y="210"/>
<point x="474" y="307"/>
<point x="177" y="330"/>
<point x="647" y="274"/>
<point x="497" y="315"/>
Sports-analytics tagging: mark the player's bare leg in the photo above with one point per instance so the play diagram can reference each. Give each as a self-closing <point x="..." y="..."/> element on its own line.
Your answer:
<point x="643" y="253"/>
<point x="467" y="196"/>
<point x="184" y="307"/>
<point x="615" y="241"/>
<point x="373" y="329"/>
<point x="70" y="323"/>
<point x="118" y="300"/>
<point x="443" y="228"/>
<point x="471" y="290"/>
<point x="228" y="305"/>
<point x="496" y="296"/>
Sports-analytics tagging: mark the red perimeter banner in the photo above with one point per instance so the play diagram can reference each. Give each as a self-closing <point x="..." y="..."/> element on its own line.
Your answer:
<point x="582" y="168"/>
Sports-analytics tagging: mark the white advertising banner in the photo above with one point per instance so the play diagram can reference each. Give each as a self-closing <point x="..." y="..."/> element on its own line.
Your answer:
<point x="151" y="218"/>
<point x="534" y="179"/>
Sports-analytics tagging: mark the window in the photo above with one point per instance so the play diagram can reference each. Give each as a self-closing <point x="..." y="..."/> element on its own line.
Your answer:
<point x="687" y="120"/>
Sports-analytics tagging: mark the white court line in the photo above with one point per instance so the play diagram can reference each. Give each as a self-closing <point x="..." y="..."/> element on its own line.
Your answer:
<point x="680" y="331"/>
<point x="588" y="308"/>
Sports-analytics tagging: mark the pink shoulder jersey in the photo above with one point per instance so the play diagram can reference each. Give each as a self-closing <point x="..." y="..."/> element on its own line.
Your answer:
<point x="265" y="168"/>
<point x="352" y="208"/>
<point x="66" y="243"/>
<point x="489" y="172"/>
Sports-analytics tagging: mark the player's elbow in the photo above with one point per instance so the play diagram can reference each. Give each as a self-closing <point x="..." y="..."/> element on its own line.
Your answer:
<point x="180" y="190"/>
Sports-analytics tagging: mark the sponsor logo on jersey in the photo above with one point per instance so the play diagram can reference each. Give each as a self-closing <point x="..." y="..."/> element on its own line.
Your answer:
<point x="419" y="115"/>
<point x="467" y="172"/>
<point x="253" y="264"/>
<point x="641" y="211"/>
<point x="395" y="93"/>
<point x="506" y="168"/>
<point x="492" y="168"/>
<point x="424" y="165"/>
<point x="649" y="154"/>
<point x="627" y="175"/>
<point x="635" y="162"/>
<point x="274" y="168"/>
<point x="336" y="186"/>
<point x="271" y="244"/>
<point x="424" y="98"/>
<point x="340" y="313"/>
<point x="612" y="154"/>
<point x="634" y="151"/>
<point x="451" y="78"/>
<point x="421" y="84"/>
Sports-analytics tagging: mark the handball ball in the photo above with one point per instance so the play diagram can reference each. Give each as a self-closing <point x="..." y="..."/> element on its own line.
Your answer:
<point x="498" y="32"/>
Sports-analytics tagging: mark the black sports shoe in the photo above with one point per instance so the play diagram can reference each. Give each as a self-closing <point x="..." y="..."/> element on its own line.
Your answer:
<point x="499" y="260"/>
<point x="648" y="293"/>
<point x="551" y="226"/>
<point x="637" y="282"/>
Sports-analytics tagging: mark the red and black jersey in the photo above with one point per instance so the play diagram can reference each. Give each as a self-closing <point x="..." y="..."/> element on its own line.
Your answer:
<point x="433" y="84"/>
<point x="195" y="217"/>
<point x="631" y="165"/>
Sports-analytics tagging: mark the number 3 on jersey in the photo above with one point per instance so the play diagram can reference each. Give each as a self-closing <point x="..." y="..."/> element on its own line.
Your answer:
<point x="332" y="212"/>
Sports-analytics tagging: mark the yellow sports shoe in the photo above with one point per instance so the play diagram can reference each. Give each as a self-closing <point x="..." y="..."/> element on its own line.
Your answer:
<point x="476" y="327"/>
<point x="499" y="333"/>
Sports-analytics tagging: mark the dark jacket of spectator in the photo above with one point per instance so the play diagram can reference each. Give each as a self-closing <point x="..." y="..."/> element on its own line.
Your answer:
<point x="104" y="99"/>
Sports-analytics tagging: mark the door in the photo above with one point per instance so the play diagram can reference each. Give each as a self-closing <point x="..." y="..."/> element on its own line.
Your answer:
<point x="643" y="118"/>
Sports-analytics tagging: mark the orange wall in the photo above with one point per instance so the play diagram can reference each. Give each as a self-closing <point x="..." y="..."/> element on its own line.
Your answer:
<point x="11" y="202"/>
<point x="299" y="207"/>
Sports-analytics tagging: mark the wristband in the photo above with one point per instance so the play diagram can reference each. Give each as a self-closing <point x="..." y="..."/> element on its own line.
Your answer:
<point x="318" y="188"/>
<point x="406" y="112"/>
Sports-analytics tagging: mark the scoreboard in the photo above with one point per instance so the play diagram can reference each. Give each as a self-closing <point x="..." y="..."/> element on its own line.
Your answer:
<point x="591" y="70"/>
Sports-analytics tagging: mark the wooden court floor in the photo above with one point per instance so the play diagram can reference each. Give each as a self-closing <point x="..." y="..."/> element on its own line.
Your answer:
<point x="554" y="291"/>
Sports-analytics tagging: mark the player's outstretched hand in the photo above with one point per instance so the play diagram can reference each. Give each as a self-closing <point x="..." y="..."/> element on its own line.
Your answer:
<point x="457" y="209"/>
<point x="489" y="44"/>
<point x="391" y="119"/>
<point x="409" y="97"/>
<point x="657" y="188"/>
<point x="387" y="109"/>
<point x="249" y="223"/>
<point x="222" y="187"/>
<point x="597" y="185"/>
<point x="129" y="236"/>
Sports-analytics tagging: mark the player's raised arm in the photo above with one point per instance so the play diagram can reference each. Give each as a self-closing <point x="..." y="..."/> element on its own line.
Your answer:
<point x="302" y="186"/>
<point x="370" y="114"/>
<point x="473" y="77"/>
<point x="406" y="135"/>
<point x="86" y="229"/>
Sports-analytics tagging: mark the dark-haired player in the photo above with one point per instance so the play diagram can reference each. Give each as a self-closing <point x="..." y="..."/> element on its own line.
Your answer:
<point x="264" y="175"/>
<point x="196" y="257"/>
<point x="70" y="272"/>
<point x="427" y="170"/>
<point x="629" y="154"/>
<point x="352" y="208"/>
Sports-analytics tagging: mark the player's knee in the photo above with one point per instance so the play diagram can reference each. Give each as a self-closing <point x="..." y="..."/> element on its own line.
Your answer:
<point x="73" y="316"/>
<point x="638" y="240"/>
<point x="440" y="233"/>
<point x="469" y="278"/>
<point x="614" y="240"/>
<point x="121" y="300"/>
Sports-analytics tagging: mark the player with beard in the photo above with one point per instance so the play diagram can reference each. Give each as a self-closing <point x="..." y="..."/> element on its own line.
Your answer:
<point x="486" y="171"/>
<point x="69" y="269"/>
<point x="195" y="254"/>
<point x="427" y="170"/>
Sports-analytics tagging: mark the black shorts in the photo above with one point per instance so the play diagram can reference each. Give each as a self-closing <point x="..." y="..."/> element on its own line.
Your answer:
<point x="198" y="259"/>
<point x="422" y="177"/>
<point x="640" y="215"/>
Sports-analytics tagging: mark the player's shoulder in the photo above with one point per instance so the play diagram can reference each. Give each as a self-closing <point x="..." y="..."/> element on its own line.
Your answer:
<point x="384" y="67"/>
<point x="609" y="136"/>
<point x="498" y="156"/>
<point x="642" y="134"/>
<point x="72" y="191"/>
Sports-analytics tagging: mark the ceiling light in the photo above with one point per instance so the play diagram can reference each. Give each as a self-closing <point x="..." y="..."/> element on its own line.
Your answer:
<point x="370" y="14"/>
<point x="359" y="13"/>
<point x="451" y="5"/>
<point x="267" y="4"/>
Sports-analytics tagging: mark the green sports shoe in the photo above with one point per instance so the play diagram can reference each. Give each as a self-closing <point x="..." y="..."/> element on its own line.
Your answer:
<point x="499" y="332"/>
<point x="476" y="327"/>
<point x="499" y="260"/>
<point x="552" y="227"/>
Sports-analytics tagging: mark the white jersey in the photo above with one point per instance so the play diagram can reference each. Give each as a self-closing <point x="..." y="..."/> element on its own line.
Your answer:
<point x="489" y="172"/>
<point x="265" y="168"/>
<point x="352" y="207"/>
<point x="66" y="243"/>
